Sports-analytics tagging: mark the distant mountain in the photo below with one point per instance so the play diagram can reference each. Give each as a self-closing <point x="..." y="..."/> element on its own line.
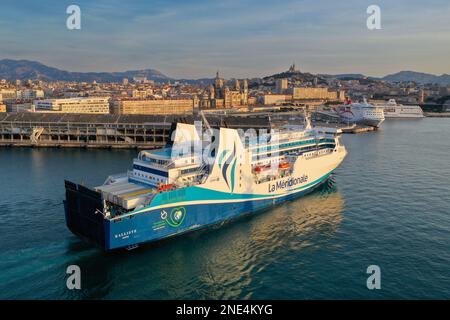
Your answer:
<point x="25" y="69"/>
<point x="346" y="76"/>
<point x="418" y="77"/>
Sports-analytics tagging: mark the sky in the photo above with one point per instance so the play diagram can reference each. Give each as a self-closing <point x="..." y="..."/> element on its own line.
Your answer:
<point x="240" y="38"/>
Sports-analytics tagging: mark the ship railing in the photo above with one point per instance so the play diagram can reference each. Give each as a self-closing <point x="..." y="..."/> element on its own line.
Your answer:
<point x="203" y="168"/>
<point x="115" y="177"/>
<point x="148" y="199"/>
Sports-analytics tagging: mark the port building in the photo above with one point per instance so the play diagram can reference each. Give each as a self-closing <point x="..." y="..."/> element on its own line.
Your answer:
<point x="95" y="105"/>
<point x="153" y="107"/>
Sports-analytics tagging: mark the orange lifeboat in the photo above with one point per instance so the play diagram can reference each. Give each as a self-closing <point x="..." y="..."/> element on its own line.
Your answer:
<point x="284" y="165"/>
<point x="262" y="168"/>
<point x="164" y="187"/>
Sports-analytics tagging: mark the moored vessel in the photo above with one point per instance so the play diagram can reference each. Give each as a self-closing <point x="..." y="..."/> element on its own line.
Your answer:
<point x="392" y="109"/>
<point x="361" y="113"/>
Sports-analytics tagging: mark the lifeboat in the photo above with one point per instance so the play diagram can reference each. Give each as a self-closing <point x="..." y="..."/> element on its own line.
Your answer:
<point x="284" y="165"/>
<point x="165" y="187"/>
<point x="262" y="168"/>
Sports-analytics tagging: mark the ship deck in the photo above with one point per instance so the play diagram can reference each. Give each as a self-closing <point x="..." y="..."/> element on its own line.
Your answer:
<point x="125" y="193"/>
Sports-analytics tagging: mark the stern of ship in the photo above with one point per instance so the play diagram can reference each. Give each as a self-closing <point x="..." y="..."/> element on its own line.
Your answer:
<point x="84" y="214"/>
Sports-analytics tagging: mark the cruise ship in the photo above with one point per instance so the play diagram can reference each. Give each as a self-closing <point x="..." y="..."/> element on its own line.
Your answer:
<point x="393" y="110"/>
<point x="193" y="184"/>
<point x="361" y="113"/>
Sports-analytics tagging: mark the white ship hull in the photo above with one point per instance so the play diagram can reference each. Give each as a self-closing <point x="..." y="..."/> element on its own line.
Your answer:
<point x="361" y="113"/>
<point x="393" y="110"/>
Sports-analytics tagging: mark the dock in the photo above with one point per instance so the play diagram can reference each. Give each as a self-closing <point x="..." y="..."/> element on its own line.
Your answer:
<point x="110" y="131"/>
<point x="102" y="131"/>
<point x="357" y="129"/>
<point x="437" y="114"/>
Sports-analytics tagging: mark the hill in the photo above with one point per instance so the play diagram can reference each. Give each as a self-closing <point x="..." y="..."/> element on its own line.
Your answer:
<point x="25" y="69"/>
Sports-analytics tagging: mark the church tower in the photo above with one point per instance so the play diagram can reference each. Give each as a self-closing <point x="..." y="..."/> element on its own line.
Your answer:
<point x="237" y="85"/>
<point x="244" y="92"/>
<point x="218" y="85"/>
<point x="211" y="92"/>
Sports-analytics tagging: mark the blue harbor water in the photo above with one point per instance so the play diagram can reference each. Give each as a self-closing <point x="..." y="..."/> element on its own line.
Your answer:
<point x="387" y="205"/>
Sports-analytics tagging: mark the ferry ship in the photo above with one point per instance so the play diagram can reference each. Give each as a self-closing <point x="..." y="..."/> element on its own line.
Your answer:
<point x="394" y="110"/>
<point x="361" y="113"/>
<point x="177" y="189"/>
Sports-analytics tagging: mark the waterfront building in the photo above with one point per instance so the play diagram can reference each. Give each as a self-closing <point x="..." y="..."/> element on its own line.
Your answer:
<point x="156" y="106"/>
<point x="20" y="106"/>
<point x="99" y="105"/>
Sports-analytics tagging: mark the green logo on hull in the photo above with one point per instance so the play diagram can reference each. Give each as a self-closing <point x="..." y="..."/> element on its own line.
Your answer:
<point x="176" y="216"/>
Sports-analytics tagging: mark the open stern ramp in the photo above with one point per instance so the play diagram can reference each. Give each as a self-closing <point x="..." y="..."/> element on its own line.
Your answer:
<point x="84" y="213"/>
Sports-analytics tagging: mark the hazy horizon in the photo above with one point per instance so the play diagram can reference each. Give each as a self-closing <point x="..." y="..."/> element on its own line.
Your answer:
<point x="212" y="76"/>
<point x="240" y="38"/>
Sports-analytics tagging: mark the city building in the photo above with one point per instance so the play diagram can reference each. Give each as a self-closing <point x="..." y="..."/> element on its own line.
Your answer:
<point x="29" y="94"/>
<point x="141" y="94"/>
<point x="276" y="99"/>
<point x="2" y="107"/>
<point x="20" y="106"/>
<point x="8" y="95"/>
<point x="306" y="94"/>
<point x="281" y="85"/>
<point x="99" y="105"/>
<point x="140" y="79"/>
<point x="220" y="96"/>
<point x="157" y="106"/>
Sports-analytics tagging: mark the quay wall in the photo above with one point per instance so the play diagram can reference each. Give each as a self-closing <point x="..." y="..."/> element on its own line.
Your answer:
<point x="102" y="131"/>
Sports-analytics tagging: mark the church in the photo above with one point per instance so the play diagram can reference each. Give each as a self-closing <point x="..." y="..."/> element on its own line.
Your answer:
<point x="222" y="96"/>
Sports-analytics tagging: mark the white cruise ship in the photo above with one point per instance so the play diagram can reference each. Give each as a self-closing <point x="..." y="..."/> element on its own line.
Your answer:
<point x="361" y="113"/>
<point x="394" y="110"/>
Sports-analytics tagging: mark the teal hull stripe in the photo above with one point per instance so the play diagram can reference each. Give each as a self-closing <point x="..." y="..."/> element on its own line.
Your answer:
<point x="193" y="194"/>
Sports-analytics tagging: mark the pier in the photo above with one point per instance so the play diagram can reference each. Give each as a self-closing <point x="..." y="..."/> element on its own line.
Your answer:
<point x="101" y="131"/>
<point x="68" y="130"/>
<point x="133" y="131"/>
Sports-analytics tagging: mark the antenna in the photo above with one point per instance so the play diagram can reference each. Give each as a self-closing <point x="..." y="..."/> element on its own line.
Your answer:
<point x="205" y="121"/>
<point x="307" y="119"/>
